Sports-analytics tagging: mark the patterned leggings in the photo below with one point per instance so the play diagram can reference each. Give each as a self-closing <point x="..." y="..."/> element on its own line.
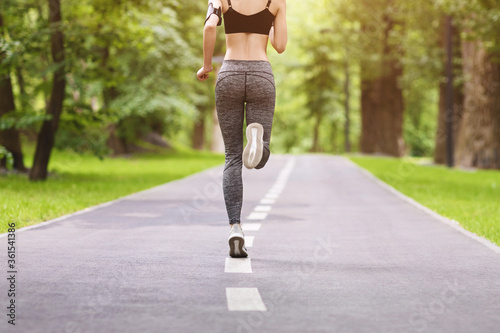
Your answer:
<point x="240" y="82"/>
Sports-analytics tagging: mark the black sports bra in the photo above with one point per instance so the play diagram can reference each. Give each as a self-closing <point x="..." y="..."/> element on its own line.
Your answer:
<point x="258" y="23"/>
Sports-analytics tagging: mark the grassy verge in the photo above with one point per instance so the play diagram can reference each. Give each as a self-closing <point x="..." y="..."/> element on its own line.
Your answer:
<point x="80" y="181"/>
<point x="471" y="198"/>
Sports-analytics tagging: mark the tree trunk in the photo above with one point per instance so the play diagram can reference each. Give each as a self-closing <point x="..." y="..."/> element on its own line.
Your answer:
<point x="115" y="143"/>
<point x="479" y="135"/>
<point x="317" y="122"/>
<point x="440" y="149"/>
<point x="382" y="100"/>
<point x="110" y="93"/>
<point x="22" y="87"/>
<point x="46" y="136"/>
<point x="9" y="138"/>
<point x="347" y="109"/>
<point x="370" y="105"/>
<point x="333" y="137"/>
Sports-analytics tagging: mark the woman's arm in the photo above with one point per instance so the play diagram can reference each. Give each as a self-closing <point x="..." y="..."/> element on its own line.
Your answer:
<point x="209" y="36"/>
<point x="278" y="34"/>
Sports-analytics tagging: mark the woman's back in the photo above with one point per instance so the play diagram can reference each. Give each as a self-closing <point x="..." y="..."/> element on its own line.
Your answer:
<point x="248" y="45"/>
<point x="248" y="26"/>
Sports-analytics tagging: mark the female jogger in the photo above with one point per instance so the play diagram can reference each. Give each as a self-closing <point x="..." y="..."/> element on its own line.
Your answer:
<point x="245" y="81"/>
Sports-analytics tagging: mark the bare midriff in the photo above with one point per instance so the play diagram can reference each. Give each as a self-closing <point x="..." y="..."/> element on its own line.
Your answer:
<point x="246" y="46"/>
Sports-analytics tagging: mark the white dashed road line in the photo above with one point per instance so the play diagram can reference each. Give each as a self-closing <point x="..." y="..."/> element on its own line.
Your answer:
<point x="244" y="299"/>
<point x="262" y="208"/>
<point x="267" y="201"/>
<point x="251" y="226"/>
<point x="249" y="241"/>
<point x="238" y="265"/>
<point x="272" y="196"/>
<point x="248" y="299"/>
<point x="257" y="216"/>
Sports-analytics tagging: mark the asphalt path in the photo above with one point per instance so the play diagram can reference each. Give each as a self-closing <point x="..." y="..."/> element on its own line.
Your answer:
<point x="331" y="250"/>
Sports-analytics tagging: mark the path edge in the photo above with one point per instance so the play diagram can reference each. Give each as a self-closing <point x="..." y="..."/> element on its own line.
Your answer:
<point x="452" y="223"/>
<point x="107" y="203"/>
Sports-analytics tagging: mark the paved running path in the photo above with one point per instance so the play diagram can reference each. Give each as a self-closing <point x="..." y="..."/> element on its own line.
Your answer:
<point x="336" y="252"/>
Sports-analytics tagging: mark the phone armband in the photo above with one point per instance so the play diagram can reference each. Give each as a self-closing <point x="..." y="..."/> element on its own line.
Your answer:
<point x="216" y="11"/>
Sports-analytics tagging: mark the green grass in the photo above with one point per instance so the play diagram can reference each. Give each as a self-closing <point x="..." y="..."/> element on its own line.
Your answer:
<point x="470" y="197"/>
<point x="80" y="181"/>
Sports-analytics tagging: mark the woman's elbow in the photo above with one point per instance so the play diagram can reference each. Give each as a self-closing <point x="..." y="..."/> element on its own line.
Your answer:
<point x="280" y="48"/>
<point x="210" y="27"/>
<point x="211" y="23"/>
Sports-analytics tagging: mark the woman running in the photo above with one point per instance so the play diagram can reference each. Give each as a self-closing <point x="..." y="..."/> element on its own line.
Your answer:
<point x="245" y="78"/>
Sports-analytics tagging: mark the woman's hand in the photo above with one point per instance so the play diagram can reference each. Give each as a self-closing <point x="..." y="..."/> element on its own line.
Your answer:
<point x="203" y="73"/>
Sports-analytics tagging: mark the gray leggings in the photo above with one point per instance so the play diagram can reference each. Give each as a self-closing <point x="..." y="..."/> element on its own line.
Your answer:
<point x="240" y="82"/>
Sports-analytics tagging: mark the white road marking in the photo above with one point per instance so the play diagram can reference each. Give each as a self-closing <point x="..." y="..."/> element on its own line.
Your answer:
<point x="244" y="299"/>
<point x="249" y="241"/>
<point x="248" y="299"/>
<point x="251" y="226"/>
<point x="267" y="201"/>
<point x="257" y="216"/>
<point x="272" y="196"/>
<point x="238" y="265"/>
<point x="262" y="208"/>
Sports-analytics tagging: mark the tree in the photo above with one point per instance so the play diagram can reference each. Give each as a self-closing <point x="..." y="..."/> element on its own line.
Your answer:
<point x="347" y="107"/>
<point x="320" y="82"/>
<point x="9" y="137"/>
<point x="479" y="138"/>
<point x="443" y="119"/>
<point x="478" y="142"/>
<point x="47" y="133"/>
<point x="382" y="102"/>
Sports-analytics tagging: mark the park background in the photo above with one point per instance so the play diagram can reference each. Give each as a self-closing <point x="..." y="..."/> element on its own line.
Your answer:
<point x="99" y="99"/>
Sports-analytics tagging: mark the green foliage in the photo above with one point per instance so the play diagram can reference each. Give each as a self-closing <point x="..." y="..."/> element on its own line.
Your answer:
<point x="7" y="155"/>
<point x="21" y="120"/>
<point x="82" y="132"/>
<point x="126" y="61"/>
<point x="310" y="77"/>
<point x="420" y="140"/>
<point x="479" y="19"/>
<point x="132" y="64"/>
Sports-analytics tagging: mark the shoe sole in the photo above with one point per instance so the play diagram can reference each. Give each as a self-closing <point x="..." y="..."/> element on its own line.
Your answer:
<point x="252" y="154"/>
<point x="236" y="247"/>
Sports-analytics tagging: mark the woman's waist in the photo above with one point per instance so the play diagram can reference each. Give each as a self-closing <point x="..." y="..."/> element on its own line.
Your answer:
<point x="246" y="47"/>
<point x="245" y="65"/>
